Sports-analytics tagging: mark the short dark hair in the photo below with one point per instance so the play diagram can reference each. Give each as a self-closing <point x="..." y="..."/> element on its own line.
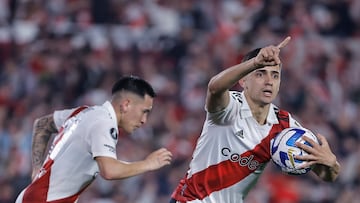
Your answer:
<point x="251" y="54"/>
<point x="135" y="85"/>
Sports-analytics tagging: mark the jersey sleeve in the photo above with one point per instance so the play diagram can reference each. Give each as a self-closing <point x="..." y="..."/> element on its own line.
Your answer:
<point x="60" y="116"/>
<point x="228" y="114"/>
<point x="103" y="139"/>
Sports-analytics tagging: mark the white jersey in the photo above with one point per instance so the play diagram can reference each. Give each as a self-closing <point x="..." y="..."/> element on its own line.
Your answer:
<point x="230" y="154"/>
<point x="70" y="165"/>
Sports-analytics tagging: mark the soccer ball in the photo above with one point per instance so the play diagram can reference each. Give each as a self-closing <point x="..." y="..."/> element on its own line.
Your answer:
<point x="283" y="149"/>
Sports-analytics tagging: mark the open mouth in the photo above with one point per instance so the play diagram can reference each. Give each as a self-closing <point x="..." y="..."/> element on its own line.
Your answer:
<point x="267" y="92"/>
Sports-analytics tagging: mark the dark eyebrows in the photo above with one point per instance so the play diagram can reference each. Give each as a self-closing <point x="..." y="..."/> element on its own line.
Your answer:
<point x="261" y="70"/>
<point x="275" y="72"/>
<point x="264" y="71"/>
<point x="146" y="111"/>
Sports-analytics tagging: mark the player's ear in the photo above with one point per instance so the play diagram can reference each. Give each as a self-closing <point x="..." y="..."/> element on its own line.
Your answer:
<point x="242" y="82"/>
<point x="124" y="105"/>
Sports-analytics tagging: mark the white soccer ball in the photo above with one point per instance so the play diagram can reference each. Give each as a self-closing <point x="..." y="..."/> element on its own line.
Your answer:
<point x="283" y="149"/>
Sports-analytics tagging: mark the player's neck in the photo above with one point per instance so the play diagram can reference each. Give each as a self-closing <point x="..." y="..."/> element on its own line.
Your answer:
<point x="258" y="110"/>
<point x="260" y="113"/>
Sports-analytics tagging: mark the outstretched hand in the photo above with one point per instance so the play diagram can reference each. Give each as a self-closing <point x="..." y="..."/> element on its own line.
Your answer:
<point x="269" y="56"/>
<point x="159" y="158"/>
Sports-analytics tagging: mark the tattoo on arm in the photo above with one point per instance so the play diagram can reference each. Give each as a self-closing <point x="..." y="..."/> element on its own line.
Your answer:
<point x="44" y="128"/>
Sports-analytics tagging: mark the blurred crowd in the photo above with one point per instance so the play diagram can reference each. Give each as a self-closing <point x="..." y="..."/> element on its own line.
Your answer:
<point x="57" y="54"/>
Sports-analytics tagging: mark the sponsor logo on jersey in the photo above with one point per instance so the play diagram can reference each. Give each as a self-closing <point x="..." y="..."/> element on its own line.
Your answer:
<point x="247" y="161"/>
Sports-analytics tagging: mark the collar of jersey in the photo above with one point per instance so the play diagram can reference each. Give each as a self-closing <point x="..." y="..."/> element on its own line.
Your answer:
<point x="111" y="110"/>
<point x="245" y="111"/>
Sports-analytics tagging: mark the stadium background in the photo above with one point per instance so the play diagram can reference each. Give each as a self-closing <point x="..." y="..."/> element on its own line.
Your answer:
<point x="57" y="54"/>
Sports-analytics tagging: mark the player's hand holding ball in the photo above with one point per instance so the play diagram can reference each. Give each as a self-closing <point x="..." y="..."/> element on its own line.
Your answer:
<point x="319" y="155"/>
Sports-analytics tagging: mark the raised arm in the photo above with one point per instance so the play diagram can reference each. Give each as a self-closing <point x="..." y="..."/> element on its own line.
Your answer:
<point x="219" y="85"/>
<point x="112" y="169"/>
<point x="44" y="128"/>
<point x="218" y="88"/>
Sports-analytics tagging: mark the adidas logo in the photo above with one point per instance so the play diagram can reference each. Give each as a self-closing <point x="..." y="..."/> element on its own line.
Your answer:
<point x="240" y="133"/>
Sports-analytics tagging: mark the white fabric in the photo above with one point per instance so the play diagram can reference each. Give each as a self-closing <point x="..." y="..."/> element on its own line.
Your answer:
<point x="91" y="133"/>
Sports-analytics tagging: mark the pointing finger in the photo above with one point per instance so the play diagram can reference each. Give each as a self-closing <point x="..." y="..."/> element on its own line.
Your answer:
<point x="284" y="43"/>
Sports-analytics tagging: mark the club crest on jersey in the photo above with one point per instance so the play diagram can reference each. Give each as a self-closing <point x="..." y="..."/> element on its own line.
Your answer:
<point x="113" y="133"/>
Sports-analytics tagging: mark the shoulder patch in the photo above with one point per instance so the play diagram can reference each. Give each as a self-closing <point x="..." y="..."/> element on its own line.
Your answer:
<point x="114" y="133"/>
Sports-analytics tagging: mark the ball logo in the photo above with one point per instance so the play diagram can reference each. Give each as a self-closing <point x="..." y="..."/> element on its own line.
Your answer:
<point x="243" y="161"/>
<point x="290" y="157"/>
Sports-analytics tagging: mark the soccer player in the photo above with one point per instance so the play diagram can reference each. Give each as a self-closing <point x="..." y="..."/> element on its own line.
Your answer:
<point x="85" y="145"/>
<point x="234" y="145"/>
